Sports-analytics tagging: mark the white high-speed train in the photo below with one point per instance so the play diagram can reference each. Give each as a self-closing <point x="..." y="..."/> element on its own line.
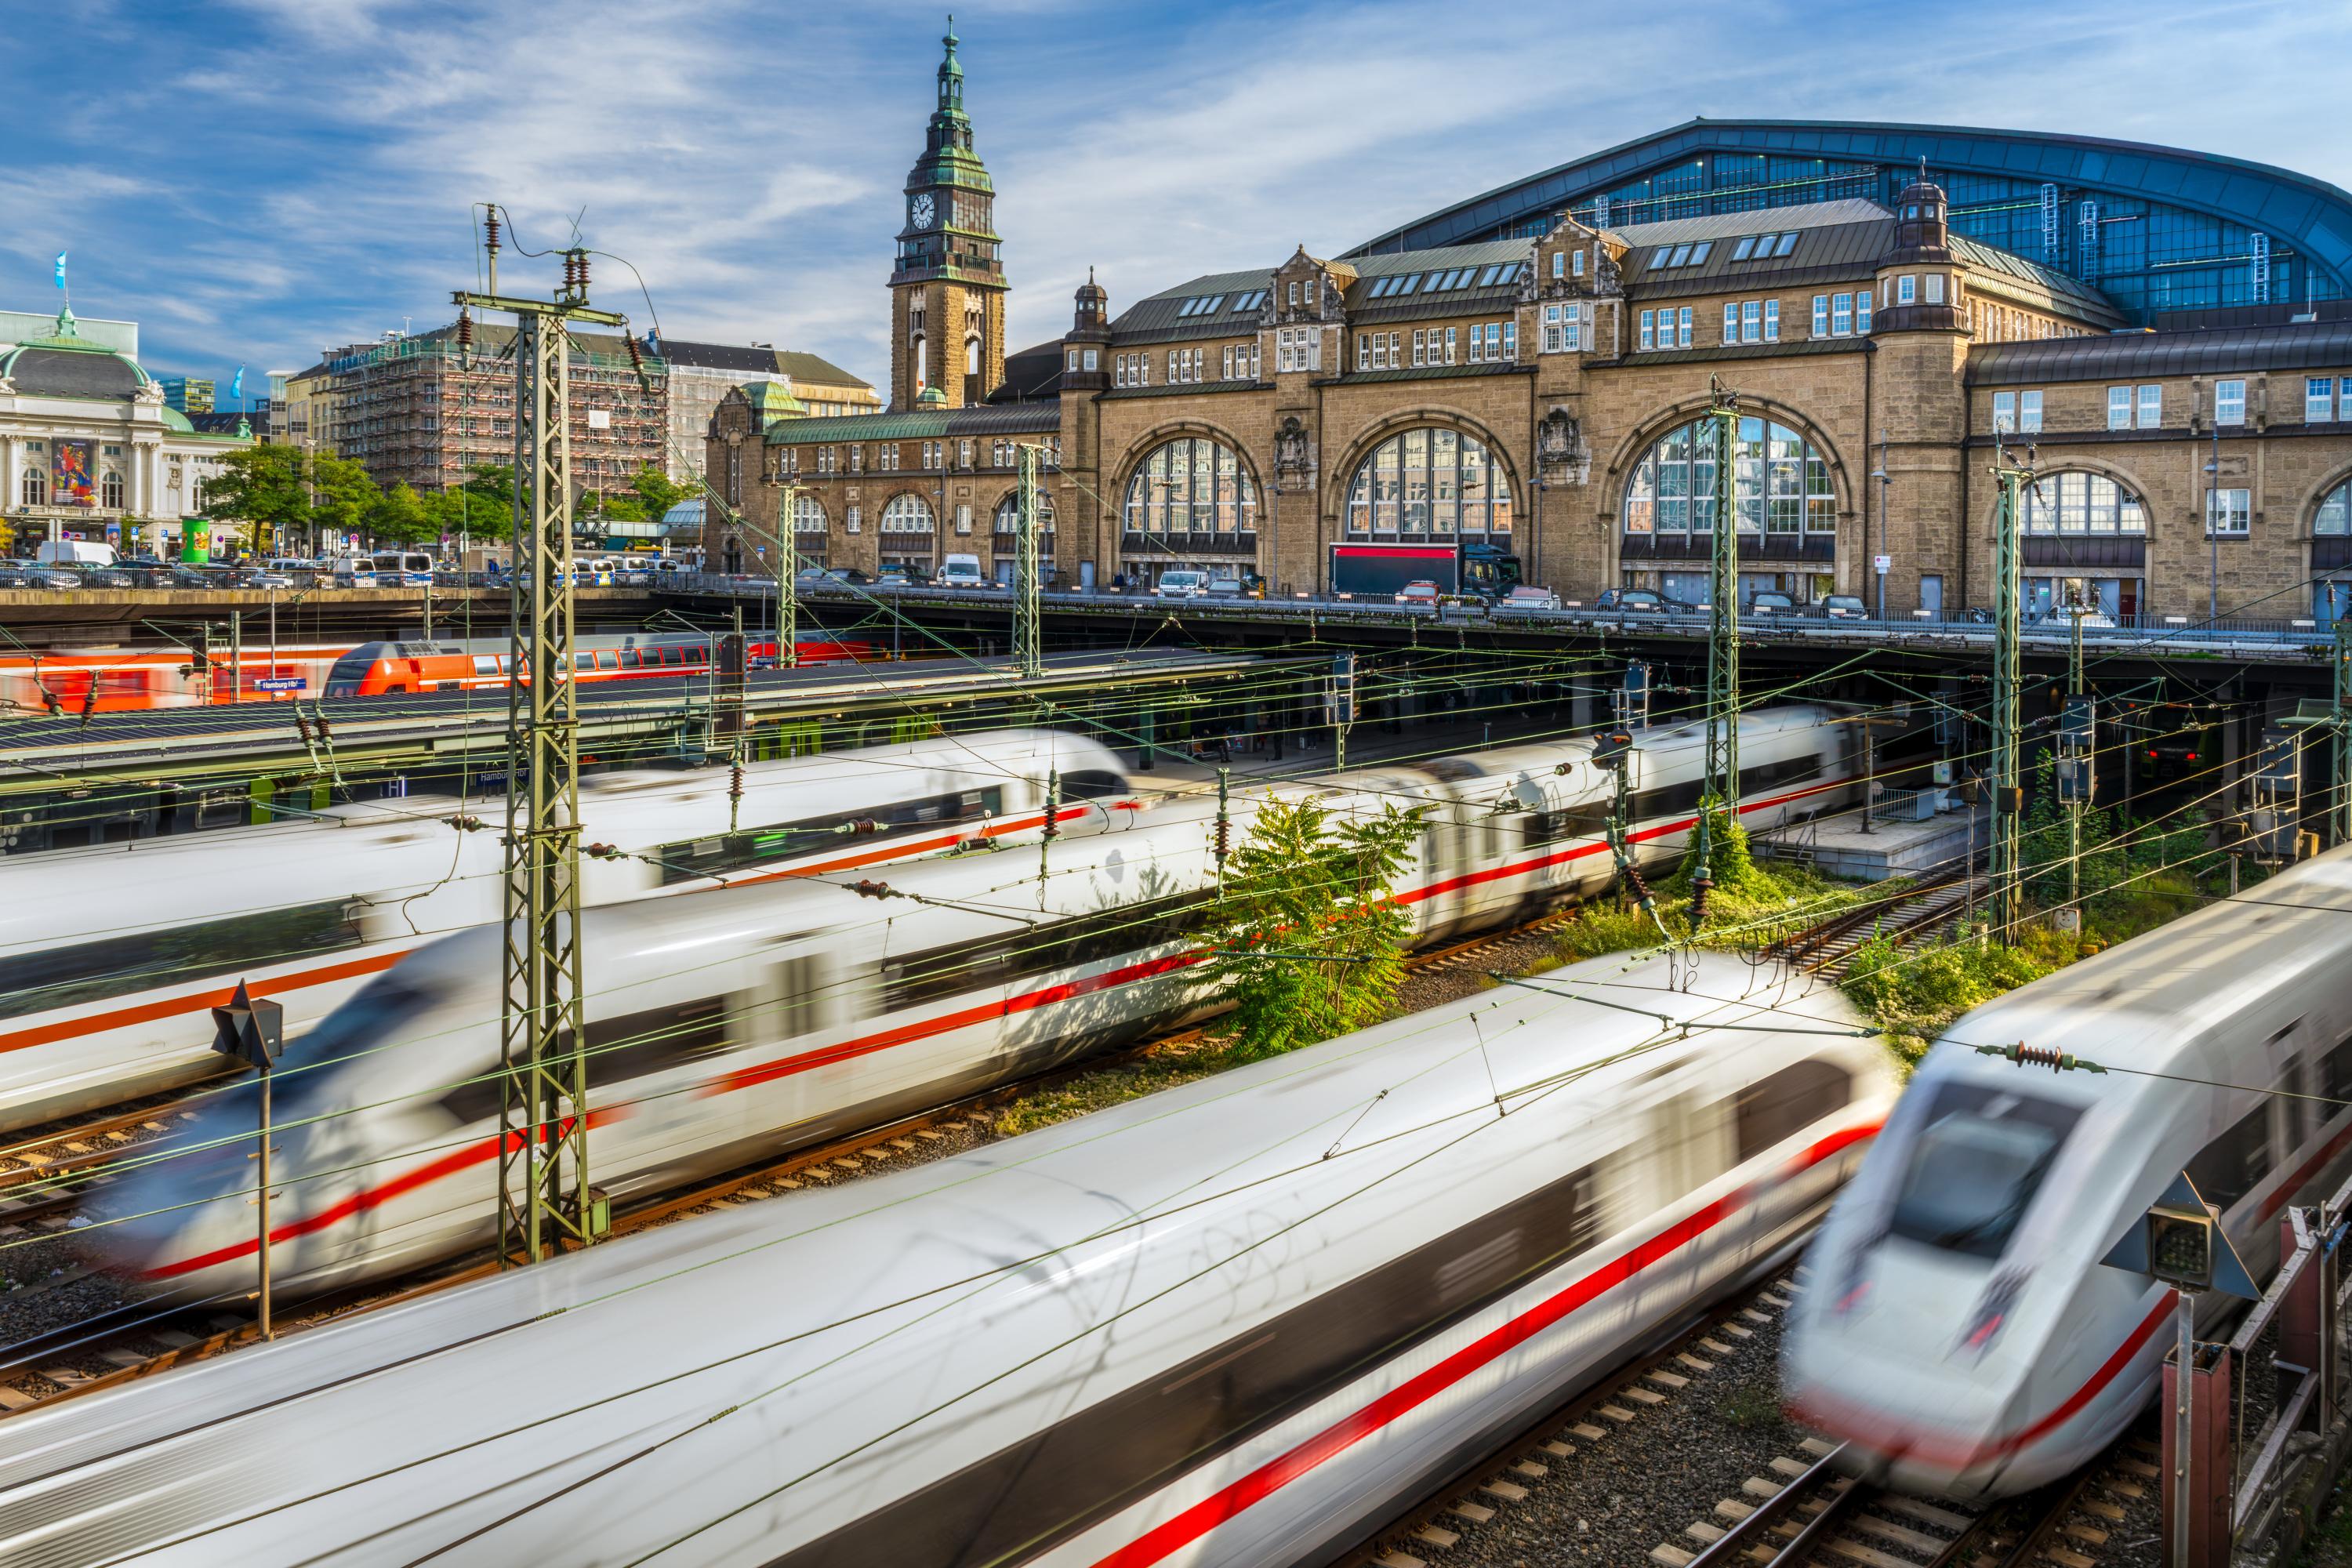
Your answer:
<point x="1963" y="1333"/>
<point x="110" y="959"/>
<point x="1229" y="1323"/>
<point x="735" y="1022"/>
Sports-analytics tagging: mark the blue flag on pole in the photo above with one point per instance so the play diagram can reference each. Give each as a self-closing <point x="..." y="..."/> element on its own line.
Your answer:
<point x="61" y="268"/>
<point x="237" y="384"/>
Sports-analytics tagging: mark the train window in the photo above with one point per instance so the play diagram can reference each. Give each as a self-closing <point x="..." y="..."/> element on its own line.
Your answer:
<point x="486" y="664"/>
<point x="673" y="656"/>
<point x="629" y="1045"/>
<point x="1671" y="800"/>
<point x="1589" y="820"/>
<point x="381" y="1015"/>
<point x="1978" y="1158"/>
<point x="607" y="659"/>
<point x="1762" y="776"/>
<point x="2336" y="1078"/>
<point x="2233" y="1164"/>
<point x="586" y="660"/>
<point x="1024" y="1498"/>
<point x="1091" y="783"/>
<point x="1776" y="1108"/>
<point x="953" y="970"/>
<point x="631" y="659"/>
<point x="714" y="856"/>
<point x="85" y="972"/>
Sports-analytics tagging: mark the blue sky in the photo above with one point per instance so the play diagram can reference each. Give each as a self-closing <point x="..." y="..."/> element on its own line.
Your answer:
<point x="253" y="180"/>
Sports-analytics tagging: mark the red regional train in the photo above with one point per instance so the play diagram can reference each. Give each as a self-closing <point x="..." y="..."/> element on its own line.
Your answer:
<point x="70" y="682"/>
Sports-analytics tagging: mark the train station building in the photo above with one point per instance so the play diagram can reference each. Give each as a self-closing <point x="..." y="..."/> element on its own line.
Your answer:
<point x="1515" y="382"/>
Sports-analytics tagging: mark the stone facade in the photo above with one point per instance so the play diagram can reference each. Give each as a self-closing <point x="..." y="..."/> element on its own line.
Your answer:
<point x="1501" y="407"/>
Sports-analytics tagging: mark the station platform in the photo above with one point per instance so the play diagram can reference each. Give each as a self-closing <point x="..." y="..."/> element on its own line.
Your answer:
<point x="1839" y="847"/>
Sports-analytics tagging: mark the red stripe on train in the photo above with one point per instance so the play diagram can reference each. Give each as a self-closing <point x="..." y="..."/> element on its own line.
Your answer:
<point x="1173" y="1535"/>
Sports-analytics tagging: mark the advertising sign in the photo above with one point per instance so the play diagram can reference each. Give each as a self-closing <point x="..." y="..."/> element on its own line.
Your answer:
<point x="70" y="480"/>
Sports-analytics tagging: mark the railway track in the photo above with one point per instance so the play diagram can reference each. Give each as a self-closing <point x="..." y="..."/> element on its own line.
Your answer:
<point x="1940" y="897"/>
<point x="132" y="1341"/>
<point x="1809" y="1513"/>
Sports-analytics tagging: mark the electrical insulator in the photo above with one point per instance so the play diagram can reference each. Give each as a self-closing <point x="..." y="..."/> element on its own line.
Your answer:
<point x="866" y="889"/>
<point x="636" y="355"/>
<point x="859" y="827"/>
<point x="735" y="780"/>
<point x="301" y="725"/>
<point x="1641" y="887"/>
<point x="1225" y="835"/>
<point x="465" y="329"/>
<point x="50" y="700"/>
<point x="1701" y="882"/>
<point x="584" y="272"/>
<point x="490" y="230"/>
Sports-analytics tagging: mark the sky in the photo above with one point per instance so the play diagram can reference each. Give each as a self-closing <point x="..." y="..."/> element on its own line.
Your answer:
<point x="255" y="180"/>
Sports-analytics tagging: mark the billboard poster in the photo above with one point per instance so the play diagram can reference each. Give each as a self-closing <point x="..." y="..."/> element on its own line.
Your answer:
<point x="71" y="482"/>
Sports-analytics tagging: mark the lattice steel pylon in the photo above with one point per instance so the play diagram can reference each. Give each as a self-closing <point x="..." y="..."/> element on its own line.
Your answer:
<point x="1719" y="794"/>
<point x="1028" y="635"/>
<point x="2008" y="775"/>
<point x="2341" y="722"/>
<point x="544" y="1200"/>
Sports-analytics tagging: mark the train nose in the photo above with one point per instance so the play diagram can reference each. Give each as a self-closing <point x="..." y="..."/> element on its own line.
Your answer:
<point x="180" y="1220"/>
<point x="1923" y="1396"/>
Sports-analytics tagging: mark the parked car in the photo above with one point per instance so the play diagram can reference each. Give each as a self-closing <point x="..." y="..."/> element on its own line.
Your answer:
<point x="1843" y="607"/>
<point x="1768" y="603"/>
<point x="1418" y="592"/>
<point x="42" y="574"/>
<point x="1180" y="584"/>
<point x="261" y="577"/>
<point x="1224" y="588"/>
<point x="1631" y="601"/>
<point x="102" y="576"/>
<point x="1527" y="596"/>
<point x="896" y="575"/>
<point x="848" y="575"/>
<point x="17" y="574"/>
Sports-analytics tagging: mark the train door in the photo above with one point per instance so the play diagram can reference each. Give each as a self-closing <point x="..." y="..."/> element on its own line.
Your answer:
<point x="1450" y="844"/>
<point x="795" y="1003"/>
<point x="1684" y="1145"/>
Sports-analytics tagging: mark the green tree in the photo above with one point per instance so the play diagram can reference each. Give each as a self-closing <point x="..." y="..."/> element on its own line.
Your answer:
<point x="340" y="493"/>
<point x="656" y="493"/>
<point x="1309" y="942"/>
<point x="262" y="486"/>
<point x="399" y="516"/>
<point x="481" y="509"/>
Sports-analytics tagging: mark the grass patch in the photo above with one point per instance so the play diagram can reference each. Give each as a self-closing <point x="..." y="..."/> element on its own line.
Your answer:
<point x="1167" y="1065"/>
<point x="1755" y="1406"/>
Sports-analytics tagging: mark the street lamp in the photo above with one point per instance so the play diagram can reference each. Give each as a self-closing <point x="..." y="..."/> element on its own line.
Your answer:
<point x="1884" y="480"/>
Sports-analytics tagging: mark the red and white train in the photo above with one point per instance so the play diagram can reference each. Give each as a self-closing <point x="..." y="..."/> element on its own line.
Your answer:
<point x="724" y="1025"/>
<point x="1962" y="1332"/>
<point x="1229" y="1323"/>
<point x="111" y="957"/>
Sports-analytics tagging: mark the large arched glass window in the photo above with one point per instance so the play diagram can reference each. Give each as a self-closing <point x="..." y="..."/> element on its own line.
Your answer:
<point x="2335" y="514"/>
<point x="1426" y="482"/>
<point x="808" y="515"/>
<point x="1780" y="484"/>
<point x="907" y="513"/>
<point x="1008" y="512"/>
<point x="2078" y="502"/>
<point x="1191" y="485"/>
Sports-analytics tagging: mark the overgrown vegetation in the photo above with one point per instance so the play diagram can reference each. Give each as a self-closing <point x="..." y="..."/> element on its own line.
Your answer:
<point x="1309" y="943"/>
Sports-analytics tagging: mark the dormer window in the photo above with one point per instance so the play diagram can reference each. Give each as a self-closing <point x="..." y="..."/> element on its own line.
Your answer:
<point x="1294" y="290"/>
<point x="1312" y="297"/>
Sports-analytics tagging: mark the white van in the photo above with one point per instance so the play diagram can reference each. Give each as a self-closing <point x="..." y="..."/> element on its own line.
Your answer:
<point x="1177" y="583"/>
<point x="352" y="571"/>
<point x="959" y="572"/>
<point x="73" y="553"/>
<point x="402" y="568"/>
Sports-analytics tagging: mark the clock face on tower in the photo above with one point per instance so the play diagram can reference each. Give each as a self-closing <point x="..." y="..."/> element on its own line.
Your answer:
<point x="921" y="211"/>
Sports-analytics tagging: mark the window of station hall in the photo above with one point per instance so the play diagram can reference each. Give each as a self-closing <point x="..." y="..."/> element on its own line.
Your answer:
<point x="1191" y="485"/>
<point x="1429" y="483"/>
<point x="2335" y="514"/>
<point x="2081" y="503"/>
<point x="1781" y="485"/>
<point x="1008" y="513"/>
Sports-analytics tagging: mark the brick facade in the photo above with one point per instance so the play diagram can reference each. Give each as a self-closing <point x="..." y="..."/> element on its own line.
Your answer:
<point x="1876" y="341"/>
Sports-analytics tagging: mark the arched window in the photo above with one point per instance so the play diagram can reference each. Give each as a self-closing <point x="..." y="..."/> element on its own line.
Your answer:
<point x="1780" y="484"/>
<point x="2076" y="503"/>
<point x="1008" y="512"/>
<point x="808" y="515"/>
<point x="922" y="363"/>
<point x="110" y="491"/>
<point x="908" y="513"/>
<point x="2335" y="514"/>
<point x="972" y="356"/>
<point x="33" y="488"/>
<point x="1192" y="485"/>
<point x="1425" y="482"/>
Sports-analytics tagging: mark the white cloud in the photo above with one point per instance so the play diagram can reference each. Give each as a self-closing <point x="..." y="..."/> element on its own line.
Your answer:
<point x="297" y="172"/>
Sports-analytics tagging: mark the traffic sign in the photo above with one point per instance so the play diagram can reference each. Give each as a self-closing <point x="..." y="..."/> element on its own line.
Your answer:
<point x="281" y="683"/>
<point x="1884" y="563"/>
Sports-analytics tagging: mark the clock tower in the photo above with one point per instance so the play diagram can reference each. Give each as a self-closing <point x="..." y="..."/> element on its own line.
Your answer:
<point x="946" y="292"/>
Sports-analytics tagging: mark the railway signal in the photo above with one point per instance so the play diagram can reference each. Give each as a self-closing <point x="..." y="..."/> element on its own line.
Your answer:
<point x="253" y="1030"/>
<point x="544" y="1200"/>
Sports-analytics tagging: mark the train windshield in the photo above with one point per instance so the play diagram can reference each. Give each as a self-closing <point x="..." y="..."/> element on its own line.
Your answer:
<point x="380" y="1015"/>
<point x="1979" y="1157"/>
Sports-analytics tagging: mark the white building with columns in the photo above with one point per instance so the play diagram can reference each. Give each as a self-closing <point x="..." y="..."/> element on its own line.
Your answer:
<point x="89" y="451"/>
